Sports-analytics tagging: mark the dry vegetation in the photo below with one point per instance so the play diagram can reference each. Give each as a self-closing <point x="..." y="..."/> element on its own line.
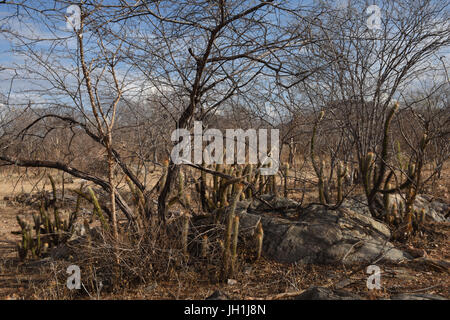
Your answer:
<point x="360" y="114"/>
<point x="263" y="279"/>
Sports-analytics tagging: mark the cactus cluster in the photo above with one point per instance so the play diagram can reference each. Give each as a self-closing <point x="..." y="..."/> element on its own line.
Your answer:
<point x="373" y="170"/>
<point x="415" y="219"/>
<point x="31" y="245"/>
<point x="217" y="193"/>
<point x="222" y="195"/>
<point x="407" y="220"/>
<point x="50" y="229"/>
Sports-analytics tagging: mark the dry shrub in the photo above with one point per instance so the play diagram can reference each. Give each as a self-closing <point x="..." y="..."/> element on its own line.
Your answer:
<point x="153" y="255"/>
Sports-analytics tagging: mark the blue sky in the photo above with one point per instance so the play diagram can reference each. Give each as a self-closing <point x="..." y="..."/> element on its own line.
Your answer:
<point x="57" y="28"/>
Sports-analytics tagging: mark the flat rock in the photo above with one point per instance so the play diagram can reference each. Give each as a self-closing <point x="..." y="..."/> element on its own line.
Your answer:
<point x="417" y="296"/>
<point x="321" y="293"/>
<point x="325" y="236"/>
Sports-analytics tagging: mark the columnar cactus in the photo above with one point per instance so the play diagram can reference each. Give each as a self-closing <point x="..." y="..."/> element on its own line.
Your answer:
<point x="423" y="216"/>
<point x="47" y="230"/>
<point x="229" y="230"/>
<point x="387" y="199"/>
<point x="98" y="209"/>
<point x="235" y="242"/>
<point x="249" y="193"/>
<point x="377" y="172"/>
<point x="259" y="239"/>
<point x="164" y="173"/>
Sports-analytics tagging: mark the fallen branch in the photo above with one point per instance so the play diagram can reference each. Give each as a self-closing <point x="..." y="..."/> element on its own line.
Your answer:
<point x="76" y="173"/>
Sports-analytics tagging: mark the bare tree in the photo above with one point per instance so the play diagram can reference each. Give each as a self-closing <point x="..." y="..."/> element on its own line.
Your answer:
<point x="235" y="43"/>
<point x="369" y="70"/>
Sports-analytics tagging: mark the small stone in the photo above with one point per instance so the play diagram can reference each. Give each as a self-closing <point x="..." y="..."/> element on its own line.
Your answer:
<point x="151" y="288"/>
<point x="416" y="296"/>
<point x="231" y="282"/>
<point x="321" y="293"/>
<point x="248" y="269"/>
<point x="325" y="236"/>
<point x="217" y="295"/>
<point x="343" y="283"/>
